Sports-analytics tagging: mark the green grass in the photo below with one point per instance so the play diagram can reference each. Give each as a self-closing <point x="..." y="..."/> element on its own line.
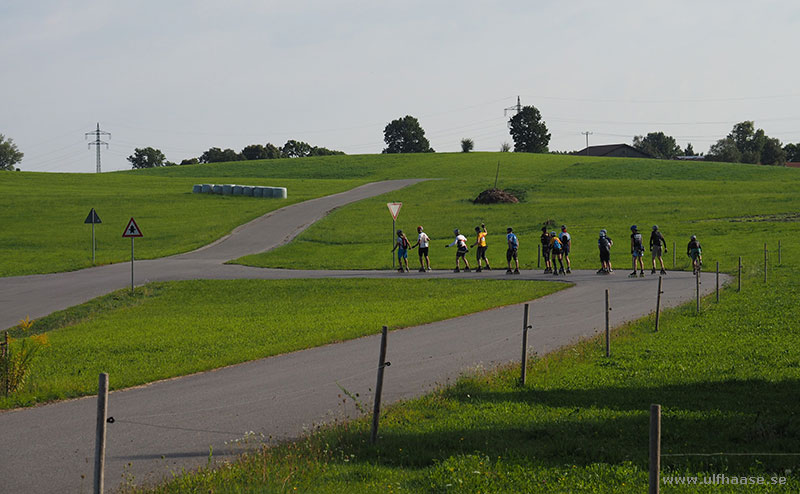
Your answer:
<point x="178" y="328"/>
<point x="728" y="381"/>
<point x="46" y="232"/>
<point x="706" y="199"/>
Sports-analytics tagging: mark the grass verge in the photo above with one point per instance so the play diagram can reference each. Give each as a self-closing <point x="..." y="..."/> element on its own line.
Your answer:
<point x="728" y="380"/>
<point x="178" y="328"/>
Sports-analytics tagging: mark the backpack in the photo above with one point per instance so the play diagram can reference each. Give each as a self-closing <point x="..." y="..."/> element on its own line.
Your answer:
<point x="637" y="242"/>
<point x="404" y="242"/>
<point x="557" y="243"/>
<point x="604" y="243"/>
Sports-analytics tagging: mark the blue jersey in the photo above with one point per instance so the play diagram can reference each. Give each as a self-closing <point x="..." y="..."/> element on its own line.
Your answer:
<point x="512" y="241"/>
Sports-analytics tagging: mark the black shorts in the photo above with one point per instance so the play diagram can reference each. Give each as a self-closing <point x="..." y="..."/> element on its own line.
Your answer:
<point x="481" y="254"/>
<point x="566" y="250"/>
<point x="546" y="252"/>
<point x="511" y="254"/>
<point x="556" y="253"/>
<point x="423" y="251"/>
<point x="605" y="255"/>
<point x="461" y="253"/>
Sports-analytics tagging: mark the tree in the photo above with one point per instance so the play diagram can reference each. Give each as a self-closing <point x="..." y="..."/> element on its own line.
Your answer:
<point x="320" y="151"/>
<point x="405" y="135"/>
<point x="689" y="151"/>
<point x="296" y="149"/>
<point x="724" y="150"/>
<point x="658" y="145"/>
<point x="773" y="153"/>
<point x="254" y="152"/>
<point x="505" y="147"/>
<point x="217" y="155"/>
<point x="529" y="132"/>
<point x="272" y="151"/>
<point x="190" y="161"/>
<point x="10" y="155"/>
<point x="792" y="152"/>
<point x="146" y="158"/>
<point x="467" y="144"/>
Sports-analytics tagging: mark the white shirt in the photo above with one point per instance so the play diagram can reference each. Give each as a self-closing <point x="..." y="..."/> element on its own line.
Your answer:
<point x="461" y="240"/>
<point x="423" y="239"/>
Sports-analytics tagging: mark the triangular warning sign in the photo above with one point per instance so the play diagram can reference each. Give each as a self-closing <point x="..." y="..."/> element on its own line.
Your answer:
<point x="132" y="230"/>
<point x="92" y="218"/>
<point x="394" y="208"/>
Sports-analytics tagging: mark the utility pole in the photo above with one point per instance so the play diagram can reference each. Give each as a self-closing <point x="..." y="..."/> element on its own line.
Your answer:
<point x="97" y="142"/>
<point x="516" y="109"/>
<point x="587" y="134"/>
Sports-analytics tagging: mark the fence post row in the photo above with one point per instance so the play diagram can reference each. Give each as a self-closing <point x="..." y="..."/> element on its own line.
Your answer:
<point x="655" y="449"/>
<point x="525" y="327"/>
<point x="717" y="281"/>
<point x="100" y="438"/>
<point x="697" y="290"/>
<point x="765" y="263"/>
<point x="382" y="363"/>
<point x="739" y="285"/>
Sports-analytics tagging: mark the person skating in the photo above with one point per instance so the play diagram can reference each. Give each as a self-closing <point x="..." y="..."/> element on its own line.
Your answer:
<point x="637" y="251"/>
<point x="604" y="243"/>
<point x="545" y="240"/>
<point x="695" y="252"/>
<point x="656" y="241"/>
<point x="556" y="252"/>
<point x="566" y="246"/>
<point x="511" y="253"/>
<point x="401" y="244"/>
<point x="461" y="250"/>
<point x="423" y="241"/>
<point x="480" y="241"/>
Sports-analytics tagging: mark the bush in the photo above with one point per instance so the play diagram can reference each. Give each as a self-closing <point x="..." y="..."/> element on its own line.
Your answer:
<point x="467" y="144"/>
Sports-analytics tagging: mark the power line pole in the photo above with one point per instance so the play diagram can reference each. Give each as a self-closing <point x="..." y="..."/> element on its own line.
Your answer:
<point x="587" y="134"/>
<point x="97" y="142"/>
<point x="516" y="108"/>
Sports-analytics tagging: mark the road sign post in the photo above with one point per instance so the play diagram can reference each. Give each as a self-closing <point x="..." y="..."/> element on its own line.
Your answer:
<point x="394" y="209"/>
<point x="132" y="231"/>
<point x="93" y="218"/>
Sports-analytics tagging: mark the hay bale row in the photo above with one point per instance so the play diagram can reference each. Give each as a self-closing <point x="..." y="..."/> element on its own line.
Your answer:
<point x="241" y="190"/>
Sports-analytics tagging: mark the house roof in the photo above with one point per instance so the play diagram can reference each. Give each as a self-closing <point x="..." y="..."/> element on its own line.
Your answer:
<point x="608" y="149"/>
<point x="795" y="164"/>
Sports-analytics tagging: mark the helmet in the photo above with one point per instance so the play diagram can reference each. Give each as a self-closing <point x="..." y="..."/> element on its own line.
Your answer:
<point x="544" y="229"/>
<point x="509" y="229"/>
<point x="634" y="228"/>
<point x="477" y="229"/>
<point x="399" y="232"/>
<point x="603" y="233"/>
<point x="655" y="227"/>
<point x="552" y="234"/>
<point x="563" y="227"/>
<point x="694" y="237"/>
<point x="456" y="231"/>
<point x="419" y="228"/>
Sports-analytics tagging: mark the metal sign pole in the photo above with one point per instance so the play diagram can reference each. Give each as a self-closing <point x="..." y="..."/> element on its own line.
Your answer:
<point x="131" y="265"/>
<point x="393" y="230"/>
<point x="93" y="243"/>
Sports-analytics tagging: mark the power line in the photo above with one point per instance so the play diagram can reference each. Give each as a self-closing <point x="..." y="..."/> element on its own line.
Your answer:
<point x="97" y="142"/>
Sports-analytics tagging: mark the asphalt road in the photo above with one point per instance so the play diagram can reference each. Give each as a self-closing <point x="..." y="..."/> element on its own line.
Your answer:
<point x="171" y="425"/>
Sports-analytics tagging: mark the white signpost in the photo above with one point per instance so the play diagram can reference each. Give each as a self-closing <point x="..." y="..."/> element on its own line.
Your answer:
<point x="132" y="231"/>
<point x="394" y="208"/>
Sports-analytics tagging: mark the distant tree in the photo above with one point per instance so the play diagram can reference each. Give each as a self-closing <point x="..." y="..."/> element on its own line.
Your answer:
<point x="724" y="150"/>
<point x="146" y="158"/>
<point x="505" y="147"/>
<point x="529" y="132"/>
<point x="217" y="155"/>
<point x="773" y="153"/>
<point x="658" y="145"/>
<point x="296" y="149"/>
<point x="792" y="152"/>
<point x="746" y="144"/>
<point x="254" y="152"/>
<point x="10" y="155"/>
<point x="689" y="151"/>
<point x="272" y="151"/>
<point x="190" y="161"/>
<point x="405" y="135"/>
<point x="467" y="144"/>
<point x="170" y="163"/>
<point x="320" y="151"/>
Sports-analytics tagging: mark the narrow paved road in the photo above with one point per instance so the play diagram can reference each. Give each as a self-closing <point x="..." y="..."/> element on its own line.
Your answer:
<point x="171" y="425"/>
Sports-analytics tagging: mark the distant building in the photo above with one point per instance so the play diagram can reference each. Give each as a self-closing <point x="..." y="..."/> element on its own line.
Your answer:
<point x="613" y="151"/>
<point x="795" y="164"/>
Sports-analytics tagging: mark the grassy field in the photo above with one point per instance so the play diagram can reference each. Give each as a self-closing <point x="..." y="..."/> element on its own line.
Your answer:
<point x="173" y="329"/>
<point x="728" y="381"/>
<point x="727" y="206"/>
<point x="46" y="232"/>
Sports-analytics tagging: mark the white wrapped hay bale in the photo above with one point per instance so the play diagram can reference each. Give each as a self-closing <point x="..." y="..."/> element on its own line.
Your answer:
<point x="197" y="189"/>
<point x="237" y="190"/>
<point x="208" y="188"/>
<point x="217" y="189"/>
<point x="258" y="191"/>
<point x="247" y="191"/>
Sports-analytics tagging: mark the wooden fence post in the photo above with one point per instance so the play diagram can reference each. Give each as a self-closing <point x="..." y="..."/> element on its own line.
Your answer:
<point x="697" y="290"/>
<point x="608" y="336"/>
<point x="524" y="362"/>
<point x="655" y="448"/>
<point x="100" y="438"/>
<point x="658" y="303"/>
<point x="765" y="263"/>
<point x="717" y="281"/>
<point x="539" y="256"/>
<point x="376" y="411"/>
<point x="6" y="357"/>
<point x="739" y="285"/>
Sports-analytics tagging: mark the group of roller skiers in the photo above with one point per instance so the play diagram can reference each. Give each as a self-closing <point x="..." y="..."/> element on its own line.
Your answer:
<point x="555" y="248"/>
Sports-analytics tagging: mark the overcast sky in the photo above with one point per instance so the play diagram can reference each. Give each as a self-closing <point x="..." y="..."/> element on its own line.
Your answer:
<point x="183" y="76"/>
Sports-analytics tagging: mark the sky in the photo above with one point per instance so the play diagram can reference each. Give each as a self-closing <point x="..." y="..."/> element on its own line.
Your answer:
<point x="184" y="76"/>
